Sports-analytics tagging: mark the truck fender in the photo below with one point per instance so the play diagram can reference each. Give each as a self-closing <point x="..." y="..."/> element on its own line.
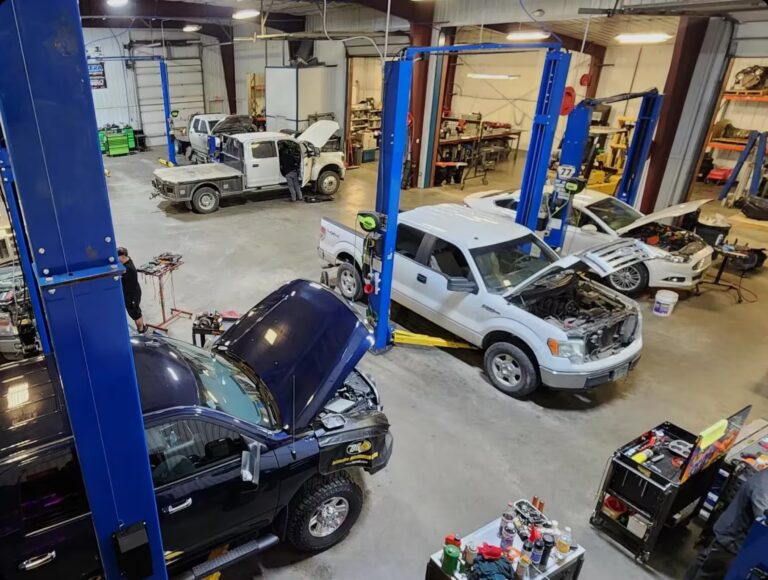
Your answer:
<point x="496" y="329"/>
<point x="361" y="442"/>
<point x="344" y="251"/>
<point x="205" y="184"/>
<point x="318" y="169"/>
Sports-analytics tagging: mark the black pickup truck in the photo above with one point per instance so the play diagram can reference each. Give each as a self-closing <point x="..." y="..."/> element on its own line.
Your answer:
<point x="249" y="443"/>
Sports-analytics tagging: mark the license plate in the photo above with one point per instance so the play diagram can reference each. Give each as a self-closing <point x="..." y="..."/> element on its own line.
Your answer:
<point x="620" y="372"/>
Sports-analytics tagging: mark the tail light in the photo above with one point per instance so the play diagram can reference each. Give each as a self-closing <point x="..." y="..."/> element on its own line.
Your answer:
<point x="322" y="232"/>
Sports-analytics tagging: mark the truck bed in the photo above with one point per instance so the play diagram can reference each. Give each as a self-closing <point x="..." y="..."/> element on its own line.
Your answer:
<point x="194" y="173"/>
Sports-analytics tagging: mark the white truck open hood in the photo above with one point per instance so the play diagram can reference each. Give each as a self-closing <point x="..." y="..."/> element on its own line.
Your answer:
<point x="603" y="260"/>
<point x="670" y="212"/>
<point x="319" y="133"/>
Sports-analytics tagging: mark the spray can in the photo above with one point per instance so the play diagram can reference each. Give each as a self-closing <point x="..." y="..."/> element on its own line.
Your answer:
<point x="507" y="517"/>
<point x="470" y="553"/>
<point x="549" y="544"/>
<point x="507" y="537"/>
<point x="538" y="551"/>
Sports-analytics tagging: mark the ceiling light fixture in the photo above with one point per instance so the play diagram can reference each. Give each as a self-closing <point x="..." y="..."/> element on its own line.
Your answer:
<point x="492" y="77"/>
<point x="642" y="37"/>
<point x="192" y="28"/>
<point x="245" y="14"/>
<point x="528" y="35"/>
<point x="117" y="3"/>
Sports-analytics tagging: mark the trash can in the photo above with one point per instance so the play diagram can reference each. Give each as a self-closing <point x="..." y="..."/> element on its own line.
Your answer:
<point x="713" y="234"/>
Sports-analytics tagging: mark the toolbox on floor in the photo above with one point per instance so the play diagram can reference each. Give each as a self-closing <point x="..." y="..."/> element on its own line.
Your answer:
<point x="117" y="144"/>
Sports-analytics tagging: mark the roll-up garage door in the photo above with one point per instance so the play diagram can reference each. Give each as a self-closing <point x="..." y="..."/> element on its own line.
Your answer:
<point x="185" y="80"/>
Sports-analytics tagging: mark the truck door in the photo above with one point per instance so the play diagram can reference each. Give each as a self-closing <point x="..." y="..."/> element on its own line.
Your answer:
<point x="407" y="285"/>
<point x="201" y="497"/>
<point x="262" y="165"/>
<point x="198" y="133"/>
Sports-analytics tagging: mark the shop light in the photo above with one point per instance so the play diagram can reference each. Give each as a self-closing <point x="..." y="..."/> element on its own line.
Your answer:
<point x="492" y="77"/>
<point x="245" y="14"/>
<point x="192" y="28"/>
<point x="117" y="3"/>
<point x="528" y="35"/>
<point x="642" y="37"/>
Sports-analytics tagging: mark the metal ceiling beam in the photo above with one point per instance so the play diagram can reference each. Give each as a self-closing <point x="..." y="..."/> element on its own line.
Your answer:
<point x="419" y="12"/>
<point x="711" y="8"/>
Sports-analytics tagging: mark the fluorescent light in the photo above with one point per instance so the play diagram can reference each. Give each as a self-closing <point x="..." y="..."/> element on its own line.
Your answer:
<point x="192" y="28"/>
<point x="488" y="76"/>
<point x="528" y="35"/>
<point x="245" y="14"/>
<point x="117" y="3"/>
<point x="642" y="37"/>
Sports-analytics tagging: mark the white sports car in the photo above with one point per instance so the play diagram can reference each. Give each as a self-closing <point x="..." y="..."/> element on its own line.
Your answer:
<point x="595" y="218"/>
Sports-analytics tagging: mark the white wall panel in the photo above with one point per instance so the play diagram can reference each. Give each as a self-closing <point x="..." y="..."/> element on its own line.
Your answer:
<point x="253" y="57"/>
<point x="332" y="53"/>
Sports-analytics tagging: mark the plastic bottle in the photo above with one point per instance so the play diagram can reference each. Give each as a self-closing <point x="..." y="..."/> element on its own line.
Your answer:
<point x="507" y="517"/>
<point x="554" y="530"/>
<point x="563" y="544"/>
<point x="507" y="537"/>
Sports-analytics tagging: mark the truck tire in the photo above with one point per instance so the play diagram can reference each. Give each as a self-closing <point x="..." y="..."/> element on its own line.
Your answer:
<point x="349" y="282"/>
<point x="323" y="512"/>
<point x="328" y="182"/>
<point x="631" y="281"/>
<point x="511" y="370"/>
<point x="205" y="200"/>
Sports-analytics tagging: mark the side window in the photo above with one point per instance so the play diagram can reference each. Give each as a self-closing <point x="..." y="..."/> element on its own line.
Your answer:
<point x="574" y="217"/>
<point x="263" y="150"/>
<point x="52" y="491"/>
<point x="196" y="125"/>
<point x="203" y="126"/>
<point x="183" y="447"/>
<point x="449" y="260"/>
<point x="408" y="241"/>
<point x="587" y="219"/>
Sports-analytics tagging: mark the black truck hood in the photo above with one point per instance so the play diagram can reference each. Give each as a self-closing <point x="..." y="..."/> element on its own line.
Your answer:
<point x="301" y="334"/>
<point x="233" y="125"/>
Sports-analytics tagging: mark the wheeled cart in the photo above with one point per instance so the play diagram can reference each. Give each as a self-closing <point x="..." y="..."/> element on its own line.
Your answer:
<point x="651" y="495"/>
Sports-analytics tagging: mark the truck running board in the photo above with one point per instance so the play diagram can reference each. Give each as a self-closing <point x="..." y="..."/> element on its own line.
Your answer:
<point x="230" y="558"/>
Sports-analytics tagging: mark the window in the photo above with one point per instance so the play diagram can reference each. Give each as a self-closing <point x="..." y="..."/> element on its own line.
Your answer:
<point x="503" y="266"/>
<point x="408" y="241"/>
<point x="4" y="253"/>
<point x="52" y="491"/>
<point x="196" y="125"/>
<point x="574" y="217"/>
<point x="263" y="150"/>
<point x="614" y="213"/>
<point x="184" y="447"/>
<point x="449" y="260"/>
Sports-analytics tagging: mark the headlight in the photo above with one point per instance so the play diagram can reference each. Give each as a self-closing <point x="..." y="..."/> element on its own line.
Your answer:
<point x="676" y="258"/>
<point x="573" y="350"/>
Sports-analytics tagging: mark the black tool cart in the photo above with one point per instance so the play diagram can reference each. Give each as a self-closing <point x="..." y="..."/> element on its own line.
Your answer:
<point x="640" y="495"/>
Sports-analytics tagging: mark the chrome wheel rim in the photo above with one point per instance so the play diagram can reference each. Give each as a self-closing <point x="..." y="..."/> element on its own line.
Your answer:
<point x="626" y="279"/>
<point x="328" y="184"/>
<point x="506" y="370"/>
<point x="206" y="201"/>
<point x="347" y="283"/>
<point x="328" y="517"/>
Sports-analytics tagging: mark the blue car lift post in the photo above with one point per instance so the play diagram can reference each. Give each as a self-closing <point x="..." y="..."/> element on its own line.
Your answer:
<point x="67" y="246"/>
<point x="397" y="86"/>
<point x="756" y="141"/>
<point x="574" y="146"/>
<point x="165" y="87"/>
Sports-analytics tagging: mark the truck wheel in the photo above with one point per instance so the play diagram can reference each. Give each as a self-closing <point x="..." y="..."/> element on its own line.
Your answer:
<point x="324" y="512"/>
<point x="631" y="280"/>
<point x="349" y="282"/>
<point x="510" y="370"/>
<point x="328" y="182"/>
<point x="205" y="200"/>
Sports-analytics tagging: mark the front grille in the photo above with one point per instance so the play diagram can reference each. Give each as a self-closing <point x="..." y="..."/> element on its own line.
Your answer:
<point x="612" y="338"/>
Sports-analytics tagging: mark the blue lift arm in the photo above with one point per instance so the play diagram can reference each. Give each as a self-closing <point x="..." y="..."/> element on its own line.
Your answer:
<point x="397" y="85"/>
<point x="49" y="127"/>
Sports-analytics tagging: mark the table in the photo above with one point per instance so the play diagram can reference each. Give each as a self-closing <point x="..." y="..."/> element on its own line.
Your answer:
<point x="568" y="569"/>
<point x="161" y="268"/>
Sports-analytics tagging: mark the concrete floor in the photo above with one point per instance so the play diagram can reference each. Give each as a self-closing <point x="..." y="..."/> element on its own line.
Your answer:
<point x="462" y="449"/>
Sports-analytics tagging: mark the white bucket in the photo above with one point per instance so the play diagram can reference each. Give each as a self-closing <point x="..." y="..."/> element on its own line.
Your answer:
<point x="665" y="302"/>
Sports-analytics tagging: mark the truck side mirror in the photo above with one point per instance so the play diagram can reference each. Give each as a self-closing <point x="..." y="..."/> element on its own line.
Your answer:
<point x="457" y="284"/>
<point x="250" y="461"/>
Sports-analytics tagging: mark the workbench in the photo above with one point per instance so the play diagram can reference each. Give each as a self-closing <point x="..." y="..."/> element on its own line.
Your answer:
<point x="568" y="569"/>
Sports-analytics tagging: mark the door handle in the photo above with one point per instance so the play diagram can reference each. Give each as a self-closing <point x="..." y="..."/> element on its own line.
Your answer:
<point x="421" y="278"/>
<point x="254" y="165"/>
<point x="172" y="509"/>
<point x="37" y="561"/>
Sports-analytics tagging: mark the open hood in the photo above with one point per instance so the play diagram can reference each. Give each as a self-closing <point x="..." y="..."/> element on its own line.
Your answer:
<point x="603" y="260"/>
<point x="319" y="133"/>
<point x="670" y="212"/>
<point x="302" y="333"/>
<point x="233" y="125"/>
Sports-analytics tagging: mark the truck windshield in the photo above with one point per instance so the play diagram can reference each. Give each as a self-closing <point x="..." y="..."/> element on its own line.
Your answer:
<point x="225" y="387"/>
<point x="615" y="213"/>
<point x="503" y="266"/>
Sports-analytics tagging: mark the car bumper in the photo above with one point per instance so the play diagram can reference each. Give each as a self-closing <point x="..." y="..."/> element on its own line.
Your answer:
<point x="623" y="363"/>
<point x="684" y="276"/>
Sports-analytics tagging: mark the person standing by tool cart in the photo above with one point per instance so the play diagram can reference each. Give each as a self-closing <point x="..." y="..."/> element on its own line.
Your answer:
<point x="290" y="162"/>
<point x="131" y="290"/>
<point x="750" y="502"/>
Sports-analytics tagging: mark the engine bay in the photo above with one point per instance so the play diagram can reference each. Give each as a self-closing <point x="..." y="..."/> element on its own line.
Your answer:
<point x="669" y="238"/>
<point x="355" y="395"/>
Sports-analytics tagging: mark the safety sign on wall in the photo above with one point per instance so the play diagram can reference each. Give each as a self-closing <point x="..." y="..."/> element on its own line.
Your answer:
<point x="97" y="76"/>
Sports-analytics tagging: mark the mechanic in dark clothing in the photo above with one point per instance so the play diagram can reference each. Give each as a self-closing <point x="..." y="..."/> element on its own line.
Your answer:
<point x="131" y="290"/>
<point x="731" y="529"/>
<point x="290" y="161"/>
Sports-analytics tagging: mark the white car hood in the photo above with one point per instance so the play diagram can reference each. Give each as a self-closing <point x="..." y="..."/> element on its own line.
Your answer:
<point x="669" y="212"/>
<point x="604" y="260"/>
<point x="319" y="133"/>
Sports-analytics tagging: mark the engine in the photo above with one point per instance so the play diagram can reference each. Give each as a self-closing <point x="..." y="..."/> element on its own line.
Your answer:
<point x="669" y="238"/>
<point x="355" y="395"/>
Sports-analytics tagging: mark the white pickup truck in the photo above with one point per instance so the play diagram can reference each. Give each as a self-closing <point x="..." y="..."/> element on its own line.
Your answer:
<point x="250" y="163"/>
<point x="501" y="288"/>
